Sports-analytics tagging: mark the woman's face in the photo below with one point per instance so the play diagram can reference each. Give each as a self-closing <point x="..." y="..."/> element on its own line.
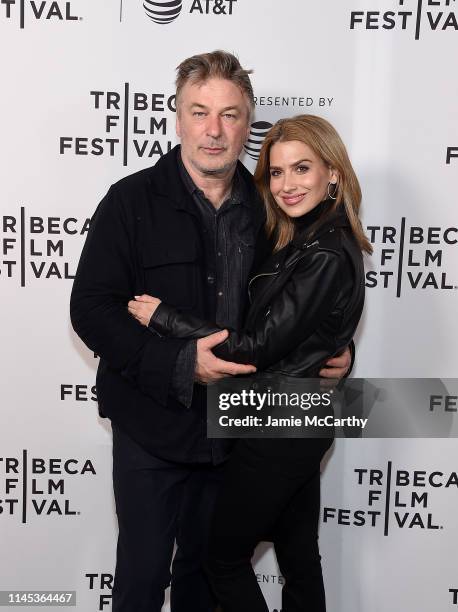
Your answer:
<point x="298" y="177"/>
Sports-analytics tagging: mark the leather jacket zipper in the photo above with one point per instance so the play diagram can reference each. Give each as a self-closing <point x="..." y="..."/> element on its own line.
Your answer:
<point x="259" y="276"/>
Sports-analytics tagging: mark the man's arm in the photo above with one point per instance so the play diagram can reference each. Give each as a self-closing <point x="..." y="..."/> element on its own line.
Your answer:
<point x="106" y="279"/>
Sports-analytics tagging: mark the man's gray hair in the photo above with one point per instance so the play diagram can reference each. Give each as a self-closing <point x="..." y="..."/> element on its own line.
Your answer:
<point x="217" y="64"/>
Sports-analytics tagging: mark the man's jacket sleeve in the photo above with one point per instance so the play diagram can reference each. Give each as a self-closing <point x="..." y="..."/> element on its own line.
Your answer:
<point x="108" y="276"/>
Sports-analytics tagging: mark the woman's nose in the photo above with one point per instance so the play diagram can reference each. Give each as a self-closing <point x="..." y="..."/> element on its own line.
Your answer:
<point x="288" y="182"/>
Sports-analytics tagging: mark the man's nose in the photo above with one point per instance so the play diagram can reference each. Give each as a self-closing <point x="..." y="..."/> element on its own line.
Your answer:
<point x="214" y="126"/>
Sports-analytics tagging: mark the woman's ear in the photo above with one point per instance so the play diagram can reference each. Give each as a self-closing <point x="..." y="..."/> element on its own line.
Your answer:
<point x="333" y="176"/>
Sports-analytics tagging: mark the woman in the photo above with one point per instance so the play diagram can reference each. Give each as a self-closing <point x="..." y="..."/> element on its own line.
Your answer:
<point x="306" y="301"/>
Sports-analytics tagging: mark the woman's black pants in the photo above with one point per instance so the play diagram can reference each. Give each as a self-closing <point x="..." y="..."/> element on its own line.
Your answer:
<point x="271" y="491"/>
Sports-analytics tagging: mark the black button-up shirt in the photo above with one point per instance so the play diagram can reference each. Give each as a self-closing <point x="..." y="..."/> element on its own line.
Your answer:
<point x="228" y="239"/>
<point x="229" y="245"/>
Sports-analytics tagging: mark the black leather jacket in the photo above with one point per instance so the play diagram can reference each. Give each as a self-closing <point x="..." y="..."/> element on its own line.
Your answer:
<point x="306" y="302"/>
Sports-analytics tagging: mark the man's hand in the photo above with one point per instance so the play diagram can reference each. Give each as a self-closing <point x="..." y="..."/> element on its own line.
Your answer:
<point x="337" y="367"/>
<point x="143" y="307"/>
<point x="209" y="368"/>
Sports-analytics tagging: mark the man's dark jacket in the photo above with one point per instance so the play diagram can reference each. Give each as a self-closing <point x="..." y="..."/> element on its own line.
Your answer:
<point x="145" y="237"/>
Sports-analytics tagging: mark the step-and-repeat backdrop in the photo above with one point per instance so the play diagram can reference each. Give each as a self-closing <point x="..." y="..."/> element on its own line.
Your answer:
<point x="88" y="97"/>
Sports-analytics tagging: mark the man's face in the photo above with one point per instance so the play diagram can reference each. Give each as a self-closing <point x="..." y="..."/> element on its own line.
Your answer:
<point x="213" y="124"/>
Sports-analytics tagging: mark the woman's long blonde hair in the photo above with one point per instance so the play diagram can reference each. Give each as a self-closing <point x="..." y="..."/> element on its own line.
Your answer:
<point x="323" y="139"/>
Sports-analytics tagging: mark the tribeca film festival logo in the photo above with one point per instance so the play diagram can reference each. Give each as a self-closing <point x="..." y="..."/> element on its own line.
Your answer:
<point x="78" y="393"/>
<point x="415" y="15"/>
<point x="101" y="585"/>
<point x="33" y="247"/>
<point x="395" y="499"/>
<point x="34" y="486"/>
<point x="411" y="256"/>
<point x="29" y="11"/>
<point x="132" y="122"/>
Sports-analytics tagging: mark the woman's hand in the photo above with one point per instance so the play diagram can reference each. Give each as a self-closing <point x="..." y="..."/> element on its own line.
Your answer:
<point x="143" y="307"/>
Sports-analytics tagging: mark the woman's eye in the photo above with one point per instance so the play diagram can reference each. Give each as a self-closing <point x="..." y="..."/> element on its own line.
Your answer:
<point x="275" y="173"/>
<point x="302" y="168"/>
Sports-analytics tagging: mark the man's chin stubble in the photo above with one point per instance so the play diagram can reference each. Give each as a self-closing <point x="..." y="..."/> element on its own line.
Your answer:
<point x="222" y="170"/>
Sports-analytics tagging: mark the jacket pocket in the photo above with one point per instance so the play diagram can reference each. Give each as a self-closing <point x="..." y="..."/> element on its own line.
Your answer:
<point x="171" y="273"/>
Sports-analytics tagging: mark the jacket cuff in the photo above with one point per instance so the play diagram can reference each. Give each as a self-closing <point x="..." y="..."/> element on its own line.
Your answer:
<point x="156" y="367"/>
<point x="159" y="321"/>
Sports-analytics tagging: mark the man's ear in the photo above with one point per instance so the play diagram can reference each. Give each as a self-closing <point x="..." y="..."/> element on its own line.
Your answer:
<point x="248" y="127"/>
<point x="178" y="125"/>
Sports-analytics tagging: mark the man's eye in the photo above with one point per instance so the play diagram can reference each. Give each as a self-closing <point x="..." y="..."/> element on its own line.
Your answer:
<point x="198" y="114"/>
<point x="229" y="116"/>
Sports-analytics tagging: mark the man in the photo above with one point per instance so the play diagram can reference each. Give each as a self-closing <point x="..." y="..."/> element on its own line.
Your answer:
<point x="183" y="231"/>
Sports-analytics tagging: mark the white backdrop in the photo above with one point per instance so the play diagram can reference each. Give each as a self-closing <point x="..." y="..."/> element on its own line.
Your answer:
<point x="87" y="97"/>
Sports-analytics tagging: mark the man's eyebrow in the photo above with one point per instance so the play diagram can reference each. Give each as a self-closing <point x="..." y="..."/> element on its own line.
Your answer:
<point x="223" y="110"/>
<point x="233" y="107"/>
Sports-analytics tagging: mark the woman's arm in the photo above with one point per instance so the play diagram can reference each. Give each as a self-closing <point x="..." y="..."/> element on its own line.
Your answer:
<point x="293" y="314"/>
<point x="167" y="320"/>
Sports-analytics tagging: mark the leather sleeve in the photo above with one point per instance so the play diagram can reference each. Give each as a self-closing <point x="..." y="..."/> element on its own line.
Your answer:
<point x="352" y="348"/>
<point x="293" y="314"/>
<point x="169" y="321"/>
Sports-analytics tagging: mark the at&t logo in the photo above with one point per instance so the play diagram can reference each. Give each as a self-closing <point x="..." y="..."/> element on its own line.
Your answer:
<point x="409" y="15"/>
<point x="33" y="10"/>
<point x="164" y="12"/>
<point x="258" y="132"/>
<point x="259" y="128"/>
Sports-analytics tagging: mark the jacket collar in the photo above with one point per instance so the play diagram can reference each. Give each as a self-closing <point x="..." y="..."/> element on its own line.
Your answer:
<point x="336" y="218"/>
<point x="292" y="252"/>
<point x="166" y="181"/>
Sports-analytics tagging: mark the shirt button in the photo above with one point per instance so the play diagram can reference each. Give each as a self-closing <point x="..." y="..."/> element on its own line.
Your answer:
<point x="210" y="279"/>
<point x="220" y="293"/>
<point x="219" y="253"/>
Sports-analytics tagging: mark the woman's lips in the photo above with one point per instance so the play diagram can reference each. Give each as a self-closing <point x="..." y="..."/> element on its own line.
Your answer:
<point x="293" y="200"/>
